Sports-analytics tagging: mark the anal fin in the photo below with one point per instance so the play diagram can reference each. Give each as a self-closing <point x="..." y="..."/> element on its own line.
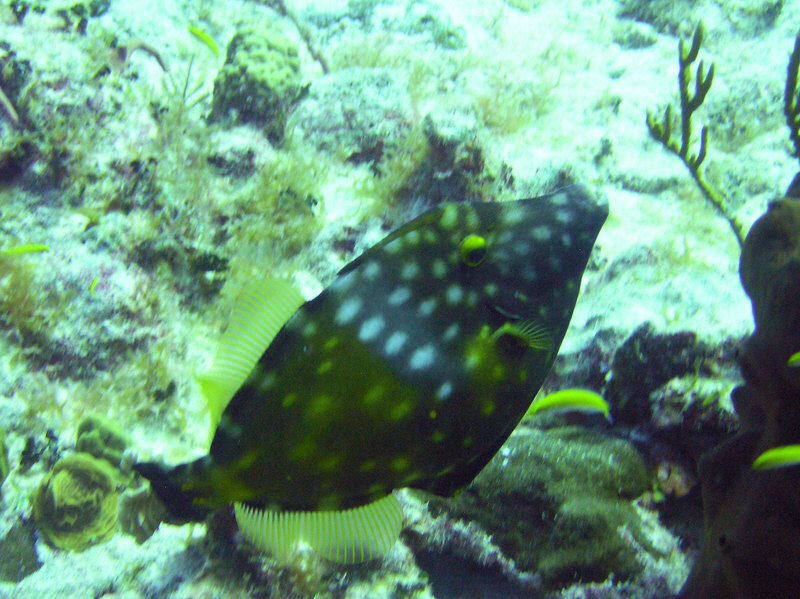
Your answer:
<point x="347" y="537"/>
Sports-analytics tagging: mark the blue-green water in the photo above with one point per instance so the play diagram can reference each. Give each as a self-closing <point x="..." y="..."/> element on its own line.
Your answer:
<point x="158" y="158"/>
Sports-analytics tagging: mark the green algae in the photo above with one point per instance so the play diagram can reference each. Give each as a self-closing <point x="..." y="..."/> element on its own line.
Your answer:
<point x="259" y="80"/>
<point x="555" y="501"/>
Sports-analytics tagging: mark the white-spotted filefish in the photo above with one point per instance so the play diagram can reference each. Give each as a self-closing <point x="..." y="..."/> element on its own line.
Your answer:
<point x="409" y="370"/>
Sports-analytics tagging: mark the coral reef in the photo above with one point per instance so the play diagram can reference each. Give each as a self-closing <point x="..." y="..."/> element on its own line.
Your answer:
<point x="102" y="438"/>
<point x="645" y="361"/>
<point x="689" y="103"/>
<point x="156" y="214"/>
<point x="354" y="113"/>
<point x="259" y="80"/>
<point x="752" y="516"/>
<point x="76" y="505"/>
<point x="18" y="556"/>
<point x="567" y="502"/>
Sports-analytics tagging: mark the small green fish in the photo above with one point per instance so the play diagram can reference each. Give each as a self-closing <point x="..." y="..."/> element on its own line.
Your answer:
<point x="27" y="248"/>
<point x="570" y="400"/>
<point x="794" y="360"/>
<point x="205" y="38"/>
<point x="409" y="370"/>
<point x="778" y="457"/>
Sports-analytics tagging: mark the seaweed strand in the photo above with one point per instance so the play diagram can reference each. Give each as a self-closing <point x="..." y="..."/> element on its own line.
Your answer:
<point x="689" y="103"/>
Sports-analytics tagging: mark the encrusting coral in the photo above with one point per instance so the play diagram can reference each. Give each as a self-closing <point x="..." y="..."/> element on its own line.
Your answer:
<point x="102" y="438"/>
<point x="76" y="505"/>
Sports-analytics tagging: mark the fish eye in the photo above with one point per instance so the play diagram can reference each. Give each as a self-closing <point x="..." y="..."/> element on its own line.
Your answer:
<point x="473" y="250"/>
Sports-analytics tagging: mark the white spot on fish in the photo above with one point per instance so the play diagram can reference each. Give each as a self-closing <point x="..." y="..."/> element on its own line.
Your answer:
<point x="344" y="283"/>
<point x="348" y="310"/>
<point x="566" y="240"/>
<point x="505" y="237"/>
<point x="512" y="216"/>
<point x="412" y="238"/>
<point x="449" y="217"/>
<point x="490" y="289"/>
<point x="439" y="268"/>
<point x="422" y="357"/>
<point x="370" y="328"/>
<point x="409" y="271"/>
<point x="267" y="381"/>
<point x="500" y="256"/>
<point x="430" y="236"/>
<point x="310" y="329"/>
<point x="444" y="391"/>
<point x="564" y="217"/>
<point x="395" y="342"/>
<point x="559" y="199"/>
<point x="472" y="299"/>
<point x="399" y="296"/>
<point x="371" y="270"/>
<point x="450" y="332"/>
<point x="522" y="248"/>
<point x="427" y="307"/>
<point x="541" y="233"/>
<point x="529" y="273"/>
<point x="394" y="246"/>
<point x="454" y="294"/>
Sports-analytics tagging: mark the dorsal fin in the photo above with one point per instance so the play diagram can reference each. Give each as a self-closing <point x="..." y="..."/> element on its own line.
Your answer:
<point x="258" y="315"/>
<point x="346" y="537"/>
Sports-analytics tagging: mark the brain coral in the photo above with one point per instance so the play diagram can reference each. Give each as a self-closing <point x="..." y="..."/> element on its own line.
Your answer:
<point x="76" y="505"/>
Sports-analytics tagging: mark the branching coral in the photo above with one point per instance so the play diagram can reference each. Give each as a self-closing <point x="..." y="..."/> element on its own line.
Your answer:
<point x="662" y="131"/>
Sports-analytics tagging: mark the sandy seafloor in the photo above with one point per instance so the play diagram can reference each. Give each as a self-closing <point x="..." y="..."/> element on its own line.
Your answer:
<point x="116" y="162"/>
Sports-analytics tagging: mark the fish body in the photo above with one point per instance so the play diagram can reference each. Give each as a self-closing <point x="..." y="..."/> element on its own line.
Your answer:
<point x="27" y="248"/>
<point x="409" y="370"/>
<point x="783" y="456"/>
<point x="571" y="400"/>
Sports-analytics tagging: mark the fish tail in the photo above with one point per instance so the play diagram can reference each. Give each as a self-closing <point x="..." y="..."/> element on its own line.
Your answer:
<point x="170" y="484"/>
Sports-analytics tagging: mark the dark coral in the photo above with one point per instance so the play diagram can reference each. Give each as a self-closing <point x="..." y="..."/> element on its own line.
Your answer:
<point x="752" y="518"/>
<point x="259" y="80"/>
<point x="553" y="503"/>
<point x="643" y="363"/>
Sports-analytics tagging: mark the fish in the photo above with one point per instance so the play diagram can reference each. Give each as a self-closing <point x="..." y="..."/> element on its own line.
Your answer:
<point x="794" y="360"/>
<point x="571" y="400"/>
<point x="27" y="248"/>
<point x="778" y="457"/>
<point x="410" y="369"/>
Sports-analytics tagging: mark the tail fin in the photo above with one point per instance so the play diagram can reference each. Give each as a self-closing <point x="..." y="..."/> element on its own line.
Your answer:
<point x="168" y="483"/>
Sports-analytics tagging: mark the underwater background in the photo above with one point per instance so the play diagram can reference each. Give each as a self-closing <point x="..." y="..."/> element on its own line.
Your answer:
<point x="155" y="157"/>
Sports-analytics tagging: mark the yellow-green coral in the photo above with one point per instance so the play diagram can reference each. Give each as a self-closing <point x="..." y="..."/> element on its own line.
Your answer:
<point x="102" y="438"/>
<point x="259" y="80"/>
<point x="76" y="505"/>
